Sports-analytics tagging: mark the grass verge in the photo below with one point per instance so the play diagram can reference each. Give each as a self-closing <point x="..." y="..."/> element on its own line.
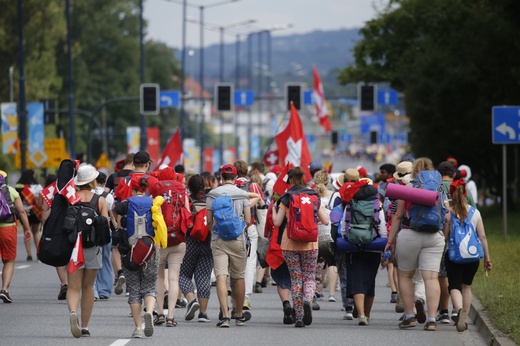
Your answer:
<point x="498" y="292"/>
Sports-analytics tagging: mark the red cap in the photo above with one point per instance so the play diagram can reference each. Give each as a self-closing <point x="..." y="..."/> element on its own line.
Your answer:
<point x="229" y="168"/>
<point x="362" y="172"/>
<point x="276" y="170"/>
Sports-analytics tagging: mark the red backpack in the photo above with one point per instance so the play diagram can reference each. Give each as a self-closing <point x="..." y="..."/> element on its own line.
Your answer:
<point x="174" y="195"/>
<point x="200" y="229"/>
<point x="123" y="189"/>
<point x="302" y="221"/>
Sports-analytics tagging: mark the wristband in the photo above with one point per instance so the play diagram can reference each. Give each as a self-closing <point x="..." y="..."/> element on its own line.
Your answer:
<point x="389" y="242"/>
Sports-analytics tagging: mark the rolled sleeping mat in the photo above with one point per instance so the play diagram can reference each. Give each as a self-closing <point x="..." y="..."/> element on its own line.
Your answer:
<point x="343" y="245"/>
<point x="412" y="194"/>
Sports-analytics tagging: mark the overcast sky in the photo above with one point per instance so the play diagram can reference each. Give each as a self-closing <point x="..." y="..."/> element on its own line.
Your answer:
<point x="165" y="17"/>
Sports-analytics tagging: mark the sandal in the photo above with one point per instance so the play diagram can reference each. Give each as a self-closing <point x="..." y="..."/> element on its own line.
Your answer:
<point x="159" y="319"/>
<point x="170" y="322"/>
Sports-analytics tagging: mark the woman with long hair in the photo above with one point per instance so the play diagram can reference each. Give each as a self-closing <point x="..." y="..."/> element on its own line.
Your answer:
<point x="300" y="256"/>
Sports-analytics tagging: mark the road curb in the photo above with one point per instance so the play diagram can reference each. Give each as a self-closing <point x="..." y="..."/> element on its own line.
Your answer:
<point x="491" y="335"/>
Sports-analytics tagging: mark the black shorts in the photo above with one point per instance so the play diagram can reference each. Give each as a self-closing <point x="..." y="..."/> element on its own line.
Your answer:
<point x="460" y="273"/>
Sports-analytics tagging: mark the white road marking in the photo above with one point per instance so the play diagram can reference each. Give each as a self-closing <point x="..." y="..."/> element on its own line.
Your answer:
<point x="23" y="266"/>
<point x="120" y="342"/>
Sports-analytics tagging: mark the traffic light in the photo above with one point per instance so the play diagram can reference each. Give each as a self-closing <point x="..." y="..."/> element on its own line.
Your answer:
<point x="367" y="100"/>
<point x="334" y="137"/>
<point x="49" y="118"/>
<point x="149" y="99"/>
<point x="293" y="93"/>
<point x="224" y="96"/>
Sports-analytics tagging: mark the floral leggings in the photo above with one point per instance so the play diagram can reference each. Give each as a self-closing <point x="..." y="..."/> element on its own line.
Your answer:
<point x="302" y="267"/>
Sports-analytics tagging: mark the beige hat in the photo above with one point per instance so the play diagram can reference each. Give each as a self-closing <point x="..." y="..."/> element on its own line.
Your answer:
<point x="86" y="174"/>
<point x="402" y="169"/>
<point x="352" y="174"/>
<point x="338" y="183"/>
<point x="3" y="173"/>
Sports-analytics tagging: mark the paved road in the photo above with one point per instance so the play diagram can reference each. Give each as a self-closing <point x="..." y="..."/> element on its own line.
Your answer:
<point x="36" y="317"/>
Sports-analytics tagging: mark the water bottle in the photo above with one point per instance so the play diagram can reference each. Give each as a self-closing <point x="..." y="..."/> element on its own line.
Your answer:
<point x="387" y="254"/>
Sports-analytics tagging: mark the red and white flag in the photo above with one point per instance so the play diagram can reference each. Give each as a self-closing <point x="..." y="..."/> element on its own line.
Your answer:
<point x="271" y="158"/>
<point x="172" y="153"/>
<point x="69" y="192"/>
<point x="76" y="259"/>
<point x="281" y="185"/>
<point x="319" y="100"/>
<point x="48" y="192"/>
<point x="292" y="145"/>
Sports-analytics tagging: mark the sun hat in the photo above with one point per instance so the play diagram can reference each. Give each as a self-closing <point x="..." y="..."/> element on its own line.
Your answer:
<point x="86" y="174"/>
<point x="402" y="169"/>
<point x="352" y="174"/>
<point x="4" y="173"/>
<point x="338" y="182"/>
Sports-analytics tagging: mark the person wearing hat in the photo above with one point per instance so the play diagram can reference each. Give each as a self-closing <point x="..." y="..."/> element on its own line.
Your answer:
<point x="314" y="167"/>
<point x="9" y="238"/>
<point x="142" y="163"/>
<point x="81" y="281"/>
<point x="229" y="256"/>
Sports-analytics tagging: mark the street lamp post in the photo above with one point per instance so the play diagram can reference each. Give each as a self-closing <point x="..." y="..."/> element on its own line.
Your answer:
<point x="22" y="111"/>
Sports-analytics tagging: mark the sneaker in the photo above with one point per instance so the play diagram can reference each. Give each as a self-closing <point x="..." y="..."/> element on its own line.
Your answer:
<point x="348" y="316"/>
<point x="203" y="317"/>
<point x="443" y="318"/>
<point x="399" y="307"/>
<point x="307" y="313"/>
<point x="332" y="299"/>
<point x="4" y="295"/>
<point x="299" y="323"/>
<point x="287" y="313"/>
<point x="454" y="315"/>
<point x="193" y="306"/>
<point x="148" y="324"/>
<point x="393" y="298"/>
<point x="408" y="323"/>
<point x="138" y="333"/>
<point x="258" y="288"/>
<point x="461" y="321"/>
<point x="240" y="321"/>
<point x="85" y="333"/>
<point x="180" y="304"/>
<point x="247" y="304"/>
<point x="245" y="314"/>
<point x="315" y="305"/>
<point x="265" y="281"/>
<point x="29" y="258"/>
<point x="362" y="321"/>
<point x="223" y="322"/>
<point x="431" y="326"/>
<point x="419" y="308"/>
<point x="63" y="292"/>
<point x="74" y="326"/>
<point x="119" y="284"/>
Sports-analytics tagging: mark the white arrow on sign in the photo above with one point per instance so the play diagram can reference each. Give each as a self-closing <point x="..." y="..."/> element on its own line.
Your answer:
<point x="503" y="129"/>
<point x="387" y="98"/>
<point x="167" y="99"/>
<point x="243" y="98"/>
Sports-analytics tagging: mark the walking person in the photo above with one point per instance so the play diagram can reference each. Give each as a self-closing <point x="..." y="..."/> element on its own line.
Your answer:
<point x="460" y="275"/>
<point x="198" y="260"/>
<point x="9" y="234"/>
<point x="29" y="190"/>
<point x="81" y="281"/>
<point x="300" y="256"/>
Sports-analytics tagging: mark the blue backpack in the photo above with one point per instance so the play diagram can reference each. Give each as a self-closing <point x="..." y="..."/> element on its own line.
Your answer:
<point x="139" y="218"/>
<point x="228" y="225"/>
<point x="464" y="244"/>
<point x="425" y="218"/>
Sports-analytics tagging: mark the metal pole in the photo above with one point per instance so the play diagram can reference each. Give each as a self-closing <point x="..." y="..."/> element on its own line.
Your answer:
<point x="183" y="66"/>
<point x="22" y="111"/>
<point x="260" y="84"/>
<point x="201" y="82"/>
<point x="11" y="86"/>
<point x="141" y="64"/>
<point x="270" y="76"/>
<point x="250" y="85"/>
<point x="504" y="189"/>
<point x="72" y="127"/>
<point x="237" y="82"/>
<point x="221" y="79"/>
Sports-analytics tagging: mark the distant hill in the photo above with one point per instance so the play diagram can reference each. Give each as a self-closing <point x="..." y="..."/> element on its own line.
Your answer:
<point x="292" y="56"/>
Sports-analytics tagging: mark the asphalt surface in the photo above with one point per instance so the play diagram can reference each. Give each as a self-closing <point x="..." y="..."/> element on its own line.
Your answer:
<point x="36" y="317"/>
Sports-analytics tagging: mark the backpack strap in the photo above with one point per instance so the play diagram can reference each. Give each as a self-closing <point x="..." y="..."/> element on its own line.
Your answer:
<point x="104" y="194"/>
<point x="471" y="211"/>
<point x="94" y="201"/>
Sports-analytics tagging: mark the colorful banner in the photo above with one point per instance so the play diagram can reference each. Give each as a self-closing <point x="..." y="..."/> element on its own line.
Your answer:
<point x="36" y="127"/>
<point x="153" y="143"/>
<point x="9" y="128"/>
<point x="208" y="160"/>
<point x="191" y="156"/>
<point x="133" y="139"/>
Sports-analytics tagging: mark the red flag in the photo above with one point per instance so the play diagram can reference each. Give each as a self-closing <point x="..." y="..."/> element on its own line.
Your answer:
<point x="172" y="153"/>
<point x="292" y="144"/>
<point x="76" y="259"/>
<point x="153" y="145"/>
<point x="271" y="158"/>
<point x="69" y="192"/>
<point x="281" y="184"/>
<point x="48" y="193"/>
<point x="319" y="99"/>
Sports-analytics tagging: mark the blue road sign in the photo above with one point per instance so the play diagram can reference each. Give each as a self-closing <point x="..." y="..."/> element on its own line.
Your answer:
<point x="374" y="122"/>
<point x="170" y="98"/>
<point x="345" y="137"/>
<point x="386" y="97"/>
<point x="307" y="97"/>
<point x="244" y="97"/>
<point x="506" y="124"/>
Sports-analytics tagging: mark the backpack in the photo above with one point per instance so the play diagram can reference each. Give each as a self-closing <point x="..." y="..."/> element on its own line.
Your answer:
<point x="302" y="220"/>
<point x="199" y="230"/>
<point x="425" y="218"/>
<point x="464" y="245"/>
<point x="324" y="232"/>
<point x="84" y="218"/>
<point x="174" y="199"/>
<point x="228" y="225"/>
<point x="124" y="191"/>
<point x="140" y="253"/>
<point x="361" y="217"/>
<point x="139" y="218"/>
<point x="7" y="209"/>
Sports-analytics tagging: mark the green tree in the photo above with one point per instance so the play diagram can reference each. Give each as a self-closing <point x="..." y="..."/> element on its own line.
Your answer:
<point x="453" y="60"/>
